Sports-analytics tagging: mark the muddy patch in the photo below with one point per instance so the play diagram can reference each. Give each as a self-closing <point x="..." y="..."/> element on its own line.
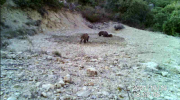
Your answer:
<point x="94" y="39"/>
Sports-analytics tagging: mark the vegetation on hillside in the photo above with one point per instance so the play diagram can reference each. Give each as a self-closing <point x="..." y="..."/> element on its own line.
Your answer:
<point x="36" y="4"/>
<point x="158" y="15"/>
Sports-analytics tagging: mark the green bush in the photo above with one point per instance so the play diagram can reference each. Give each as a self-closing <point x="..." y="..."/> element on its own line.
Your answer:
<point x="95" y="15"/>
<point x="112" y="5"/>
<point x="90" y="14"/>
<point x="160" y="3"/>
<point x="88" y="2"/>
<point x="29" y="3"/>
<point x="38" y="3"/>
<point x="53" y="3"/>
<point x="2" y="2"/>
<point x="172" y="25"/>
<point x="159" y="20"/>
<point x="137" y="14"/>
<point x="169" y="9"/>
<point x="167" y="19"/>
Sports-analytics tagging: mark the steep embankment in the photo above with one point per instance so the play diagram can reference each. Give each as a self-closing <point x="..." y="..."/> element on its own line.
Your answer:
<point x="60" y="20"/>
<point x="134" y="63"/>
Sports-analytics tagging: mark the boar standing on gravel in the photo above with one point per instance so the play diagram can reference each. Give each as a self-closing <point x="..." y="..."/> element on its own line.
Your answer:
<point x="105" y="34"/>
<point x="84" y="37"/>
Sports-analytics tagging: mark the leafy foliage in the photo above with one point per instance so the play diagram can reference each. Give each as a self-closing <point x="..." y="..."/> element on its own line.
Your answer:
<point x="136" y="15"/>
<point x="95" y="15"/>
<point x="167" y="19"/>
<point x="2" y="2"/>
<point x="38" y="3"/>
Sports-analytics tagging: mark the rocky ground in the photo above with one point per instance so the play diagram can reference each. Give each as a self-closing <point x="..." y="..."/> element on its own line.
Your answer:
<point x="132" y="65"/>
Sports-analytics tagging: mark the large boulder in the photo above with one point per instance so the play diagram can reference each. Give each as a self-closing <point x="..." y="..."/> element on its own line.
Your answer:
<point x="118" y="27"/>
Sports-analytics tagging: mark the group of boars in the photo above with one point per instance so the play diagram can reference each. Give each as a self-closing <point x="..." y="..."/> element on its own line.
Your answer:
<point x="85" y="37"/>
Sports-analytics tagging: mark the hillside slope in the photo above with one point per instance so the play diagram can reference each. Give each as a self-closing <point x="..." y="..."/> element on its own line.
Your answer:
<point x="134" y="63"/>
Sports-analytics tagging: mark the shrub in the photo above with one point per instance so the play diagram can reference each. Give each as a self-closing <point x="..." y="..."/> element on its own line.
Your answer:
<point x="169" y="9"/>
<point x="38" y="3"/>
<point x="20" y="33"/>
<point x="123" y="6"/>
<point x="137" y="14"/>
<point x="112" y="5"/>
<point x="2" y="2"/>
<point x="53" y="3"/>
<point x="167" y="19"/>
<point x="159" y="19"/>
<point x="87" y="2"/>
<point x="29" y="3"/>
<point x="172" y="26"/>
<point x="91" y="14"/>
<point x="160" y="3"/>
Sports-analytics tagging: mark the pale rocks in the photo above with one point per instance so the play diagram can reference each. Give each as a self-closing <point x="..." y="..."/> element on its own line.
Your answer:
<point x="91" y="72"/>
<point x="151" y="66"/>
<point x="60" y="84"/>
<point x="83" y="93"/>
<point x="48" y="86"/>
<point x="164" y="73"/>
<point x="67" y="79"/>
<point x="12" y="98"/>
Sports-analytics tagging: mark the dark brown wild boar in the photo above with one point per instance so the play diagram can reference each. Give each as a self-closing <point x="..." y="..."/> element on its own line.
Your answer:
<point x="84" y="37"/>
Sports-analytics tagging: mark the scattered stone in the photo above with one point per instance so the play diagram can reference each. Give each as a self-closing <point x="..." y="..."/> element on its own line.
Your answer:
<point x="105" y="93"/>
<point x="67" y="79"/>
<point x="89" y="84"/>
<point x="164" y="73"/>
<point x="106" y="68"/>
<point x="12" y="98"/>
<point x="49" y="58"/>
<point x="83" y="93"/>
<point x="17" y="94"/>
<point x="27" y="94"/>
<point x="66" y="98"/>
<point x="43" y="94"/>
<point x="61" y="82"/>
<point x="84" y="88"/>
<point x="58" y="85"/>
<point x="58" y="91"/>
<point x="38" y="84"/>
<point x="93" y="97"/>
<point x="151" y="66"/>
<point x="47" y="86"/>
<point x="120" y="74"/>
<point x="91" y="72"/>
<point x="57" y="98"/>
<point x="93" y="60"/>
